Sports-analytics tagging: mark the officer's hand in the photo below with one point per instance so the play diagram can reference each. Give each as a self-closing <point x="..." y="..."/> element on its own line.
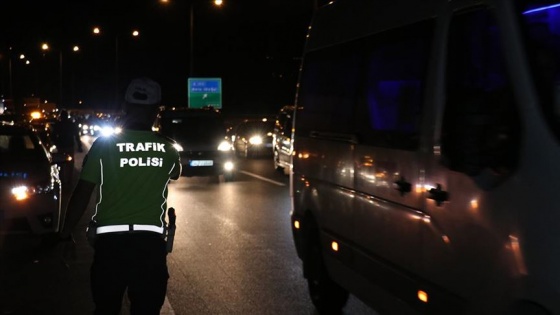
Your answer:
<point x="56" y="248"/>
<point x="52" y="240"/>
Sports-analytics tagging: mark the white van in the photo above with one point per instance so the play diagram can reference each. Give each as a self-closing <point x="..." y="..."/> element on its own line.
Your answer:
<point x="427" y="154"/>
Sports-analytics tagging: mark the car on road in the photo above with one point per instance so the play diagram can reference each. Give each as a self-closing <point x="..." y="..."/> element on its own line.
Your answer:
<point x="30" y="188"/>
<point x="253" y="138"/>
<point x="200" y="136"/>
<point x="282" y="146"/>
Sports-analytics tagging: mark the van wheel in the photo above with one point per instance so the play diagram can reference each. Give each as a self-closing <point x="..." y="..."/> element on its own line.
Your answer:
<point x="327" y="296"/>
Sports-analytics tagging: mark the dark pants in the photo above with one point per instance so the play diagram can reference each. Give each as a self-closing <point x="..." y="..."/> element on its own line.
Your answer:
<point x="134" y="261"/>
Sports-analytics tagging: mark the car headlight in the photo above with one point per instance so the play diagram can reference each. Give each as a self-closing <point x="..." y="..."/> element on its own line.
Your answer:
<point x="21" y="192"/>
<point x="24" y="192"/>
<point x="178" y="147"/>
<point x="107" y="131"/>
<point x="228" y="166"/>
<point x="224" y="146"/>
<point x="255" y="140"/>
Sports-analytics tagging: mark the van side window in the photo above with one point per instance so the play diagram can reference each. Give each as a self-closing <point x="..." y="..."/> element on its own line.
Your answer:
<point x="396" y="69"/>
<point x="329" y="88"/>
<point x="542" y="30"/>
<point x="371" y="87"/>
<point x="481" y="128"/>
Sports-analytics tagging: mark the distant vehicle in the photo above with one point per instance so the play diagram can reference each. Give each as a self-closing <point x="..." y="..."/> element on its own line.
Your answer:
<point x="30" y="188"/>
<point x="426" y="149"/>
<point x="95" y="126"/>
<point x="200" y="136"/>
<point x="282" y="146"/>
<point x="253" y="138"/>
<point x="14" y="118"/>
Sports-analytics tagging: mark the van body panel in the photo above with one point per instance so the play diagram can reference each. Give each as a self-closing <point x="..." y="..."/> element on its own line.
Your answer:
<point x="363" y="19"/>
<point x="452" y="196"/>
<point x="386" y="219"/>
<point x="329" y="195"/>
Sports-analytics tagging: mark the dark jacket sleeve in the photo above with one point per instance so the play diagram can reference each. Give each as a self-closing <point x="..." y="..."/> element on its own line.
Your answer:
<point x="76" y="206"/>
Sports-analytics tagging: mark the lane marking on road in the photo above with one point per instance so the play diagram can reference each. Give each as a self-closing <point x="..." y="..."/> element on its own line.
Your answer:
<point x="166" y="309"/>
<point x="263" y="178"/>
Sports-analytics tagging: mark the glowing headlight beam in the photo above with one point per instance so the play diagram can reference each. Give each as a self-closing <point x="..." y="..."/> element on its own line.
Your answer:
<point x="21" y="192"/>
<point x="255" y="140"/>
<point x="224" y="146"/>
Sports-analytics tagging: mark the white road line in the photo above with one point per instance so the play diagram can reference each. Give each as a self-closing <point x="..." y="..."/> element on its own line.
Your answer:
<point x="263" y="178"/>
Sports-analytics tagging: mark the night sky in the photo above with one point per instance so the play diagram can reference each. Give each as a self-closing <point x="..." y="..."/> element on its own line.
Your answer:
<point x="253" y="45"/>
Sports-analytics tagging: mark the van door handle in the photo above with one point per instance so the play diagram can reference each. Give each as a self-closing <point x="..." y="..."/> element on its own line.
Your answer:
<point x="438" y="195"/>
<point x="403" y="186"/>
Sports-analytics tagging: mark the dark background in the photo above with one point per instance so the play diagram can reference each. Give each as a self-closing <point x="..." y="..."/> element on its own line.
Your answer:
<point x="253" y="45"/>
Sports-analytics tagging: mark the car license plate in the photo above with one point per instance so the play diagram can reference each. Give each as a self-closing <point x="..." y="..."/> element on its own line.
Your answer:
<point x="196" y="163"/>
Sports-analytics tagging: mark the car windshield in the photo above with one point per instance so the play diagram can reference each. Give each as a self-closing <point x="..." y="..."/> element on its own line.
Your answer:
<point x="196" y="128"/>
<point x="18" y="146"/>
<point x="541" y="23"/>
<point x="257" y="127"/>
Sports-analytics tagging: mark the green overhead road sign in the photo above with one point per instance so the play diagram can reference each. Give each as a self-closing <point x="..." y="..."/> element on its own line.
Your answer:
<point x="205" y="92"/>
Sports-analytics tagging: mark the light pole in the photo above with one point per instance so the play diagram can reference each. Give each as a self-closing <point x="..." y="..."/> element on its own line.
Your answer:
<point x="134" y="33"/>
<point x="217" y="3"/>
<point x="23" y="59"/>
<point x="45" y="47"/>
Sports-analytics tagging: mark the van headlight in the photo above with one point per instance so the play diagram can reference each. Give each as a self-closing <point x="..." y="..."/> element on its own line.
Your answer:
<point x="224" y="146"/>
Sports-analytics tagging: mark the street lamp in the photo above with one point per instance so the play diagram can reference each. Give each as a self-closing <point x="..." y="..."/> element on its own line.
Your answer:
<point x="134" y="33"/>
<point x="10" y="54"/>
<point x="45" y="47"/>
<point x="217" y="3"/>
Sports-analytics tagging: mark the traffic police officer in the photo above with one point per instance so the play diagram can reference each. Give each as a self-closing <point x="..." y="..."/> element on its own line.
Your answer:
<point x="131" y="171"/>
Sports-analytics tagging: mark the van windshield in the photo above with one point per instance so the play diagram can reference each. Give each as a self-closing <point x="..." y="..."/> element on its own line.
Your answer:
<point x="541" y="22"/>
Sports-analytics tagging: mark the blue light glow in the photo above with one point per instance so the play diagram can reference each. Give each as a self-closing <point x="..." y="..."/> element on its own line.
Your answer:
<point x="542" y="9"/>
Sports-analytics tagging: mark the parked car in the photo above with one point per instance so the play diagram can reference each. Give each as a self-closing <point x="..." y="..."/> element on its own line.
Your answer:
<point x="200" y="136"/>
<point x="253" y="138"/>
<point x="64" y="160"/>
<point x="427" y="140"/>
<point x="30" y="188"/>
<point x="282" y="145"/>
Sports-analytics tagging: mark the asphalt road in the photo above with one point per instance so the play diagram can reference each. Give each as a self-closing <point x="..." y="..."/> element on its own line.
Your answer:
<point x="233" y="254"/>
